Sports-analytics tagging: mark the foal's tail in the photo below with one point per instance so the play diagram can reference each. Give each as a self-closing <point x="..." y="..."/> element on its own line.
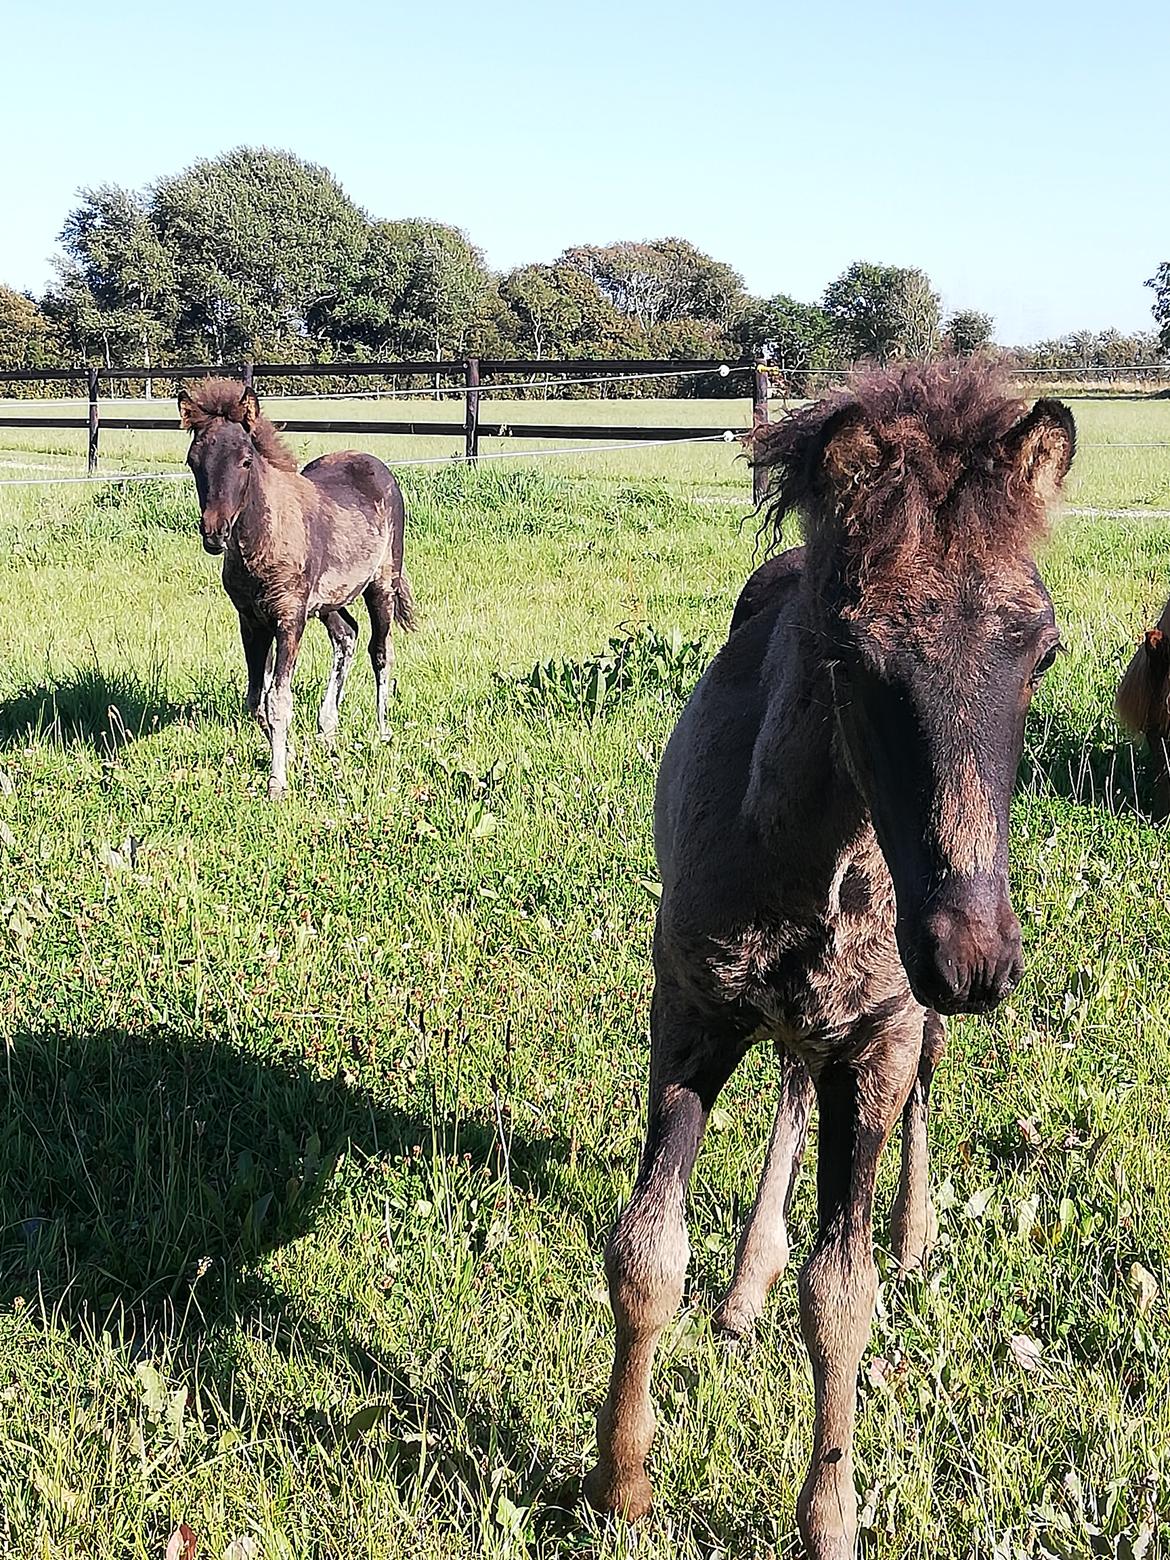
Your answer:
<point x="1143" y="696"/>
<point x="404" y="612"/>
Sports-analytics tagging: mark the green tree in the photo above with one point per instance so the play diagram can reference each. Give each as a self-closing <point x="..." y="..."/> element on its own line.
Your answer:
<point x="26" y="334"/>
<point x="115" y="294"/>
<point x="1085" y="350"/>
<point x="796" y="337"/>
<point x="666" y="279"/>
<point x="261" y="242"/>
<point x="418" y="289"/>
<point x="1160" y="282"/>
<point x="883" y="312"/>
<point x="362" y="314"/>
<point x="556" y="311"/>
<point x="445" y="292"/>
<point x="968" y="331"/>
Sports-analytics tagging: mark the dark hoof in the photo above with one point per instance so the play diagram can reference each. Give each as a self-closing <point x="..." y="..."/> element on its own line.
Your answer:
<point x="735" y="1324"/>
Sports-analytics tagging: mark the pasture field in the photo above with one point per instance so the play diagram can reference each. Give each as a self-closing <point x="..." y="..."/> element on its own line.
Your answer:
<point x="1122" y="462"/>
<point x="314" y="1115"/>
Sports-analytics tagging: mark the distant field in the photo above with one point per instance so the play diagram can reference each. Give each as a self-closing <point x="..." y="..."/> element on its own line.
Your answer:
<point x="1115" y="467"/>
<point x="314" y="1116"/>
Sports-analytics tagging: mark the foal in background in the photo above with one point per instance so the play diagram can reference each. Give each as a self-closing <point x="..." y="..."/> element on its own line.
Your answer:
<point x="295" y="546"/>
<point x="831" y="826"/>
<point x="1143" y="703"/>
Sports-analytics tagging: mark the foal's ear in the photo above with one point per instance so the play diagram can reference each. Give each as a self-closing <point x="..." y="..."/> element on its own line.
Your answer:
<point x="1041" y="446"/>
<point x="849" y="452"/>
<point x="249" y="408"/>
<point x="190" y="414"/>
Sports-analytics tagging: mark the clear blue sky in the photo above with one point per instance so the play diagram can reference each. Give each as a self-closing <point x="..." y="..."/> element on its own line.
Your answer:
<point x="1019" y="152"/>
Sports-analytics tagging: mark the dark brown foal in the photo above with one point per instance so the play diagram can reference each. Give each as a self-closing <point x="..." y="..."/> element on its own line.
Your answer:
<point x="296" y="546"/>
<point x="1143" y="703"/>
<point x="831" y="825"/>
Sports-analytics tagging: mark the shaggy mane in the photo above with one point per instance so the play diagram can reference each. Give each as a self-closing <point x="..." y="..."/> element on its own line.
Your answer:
<point x="211" y="398"/>
<point x="910" y="462"/>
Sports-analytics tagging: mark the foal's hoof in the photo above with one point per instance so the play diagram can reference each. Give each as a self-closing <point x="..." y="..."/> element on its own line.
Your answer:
<point x="735" y="1320"/>
<point x="608" y="1491"/>
<point x="912" y="1246"/>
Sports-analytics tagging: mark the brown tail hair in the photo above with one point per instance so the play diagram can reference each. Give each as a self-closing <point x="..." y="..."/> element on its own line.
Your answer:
<point x="404" y="613"/>
<point x="1143" y="695"/>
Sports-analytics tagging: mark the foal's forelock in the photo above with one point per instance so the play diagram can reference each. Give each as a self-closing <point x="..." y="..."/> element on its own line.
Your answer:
<point x="930" y="461"/>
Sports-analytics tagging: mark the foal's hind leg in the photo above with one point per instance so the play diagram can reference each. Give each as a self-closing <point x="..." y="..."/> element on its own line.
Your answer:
<point x="380" y="601"/>
<point x="763" y="1247"/>
<point x="342" y="629"/>
<point x="646" y="1258"/>
<point x="913" y="1228"/>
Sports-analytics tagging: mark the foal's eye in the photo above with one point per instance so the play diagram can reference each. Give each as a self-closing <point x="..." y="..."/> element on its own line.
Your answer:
<point x="1043" y="664"/>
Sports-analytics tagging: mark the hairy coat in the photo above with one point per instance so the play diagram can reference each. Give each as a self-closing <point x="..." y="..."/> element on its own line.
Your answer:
<point x="831" y="832"/>
<point x="1143" y="703"/>
<point x="295" y="545"/>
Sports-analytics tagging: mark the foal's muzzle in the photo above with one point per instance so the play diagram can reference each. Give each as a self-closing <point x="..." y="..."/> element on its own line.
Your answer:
<point x="964" y="954"/>
<point x="215" y="541"/>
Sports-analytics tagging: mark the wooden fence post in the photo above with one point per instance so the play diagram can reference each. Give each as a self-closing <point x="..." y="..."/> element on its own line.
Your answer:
<point x="761" y="390"/>
<point x="471" y="413"/>
<point x="92" y="376"/>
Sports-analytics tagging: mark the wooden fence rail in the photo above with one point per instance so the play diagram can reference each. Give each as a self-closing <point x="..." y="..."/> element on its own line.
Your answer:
<point x="472" y="370"/>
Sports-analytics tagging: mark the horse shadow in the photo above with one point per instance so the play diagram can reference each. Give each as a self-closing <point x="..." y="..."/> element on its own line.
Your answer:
<point x="93" y="708"/>
<point x="143" y="1175"/>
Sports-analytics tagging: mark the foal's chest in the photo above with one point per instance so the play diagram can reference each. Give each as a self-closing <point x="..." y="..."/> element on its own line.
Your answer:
<point x="812" y="975"/>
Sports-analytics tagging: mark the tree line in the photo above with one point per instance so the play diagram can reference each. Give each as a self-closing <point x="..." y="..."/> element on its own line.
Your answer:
<point x="259" y="254"/>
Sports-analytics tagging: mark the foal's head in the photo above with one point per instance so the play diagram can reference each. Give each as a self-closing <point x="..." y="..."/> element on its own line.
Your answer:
<point x="923" y="492"/>
<point x="229" y="435"/>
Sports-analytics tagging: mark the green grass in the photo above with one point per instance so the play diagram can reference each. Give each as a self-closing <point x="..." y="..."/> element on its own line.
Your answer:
<point x="316" y="1114"/>
<point x="1116" y="466"/>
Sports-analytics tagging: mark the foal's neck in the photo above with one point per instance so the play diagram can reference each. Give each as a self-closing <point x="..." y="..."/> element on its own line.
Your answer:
<point x="262" y="515"/>
<point x="804" y="798"/>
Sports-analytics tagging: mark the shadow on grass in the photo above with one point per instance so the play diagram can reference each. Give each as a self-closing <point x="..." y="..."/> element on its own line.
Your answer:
<point x="90" y="708"/>
<point x="142" y="1175"/>
<point x="1092" y="768"/>
<point x="139" y="1169"/>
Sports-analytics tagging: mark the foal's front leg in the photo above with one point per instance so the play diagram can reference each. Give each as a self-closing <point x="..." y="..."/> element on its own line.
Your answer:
<point x="762" y="1254"/>
<point x="257" y="642"/>
<point x="913" y="1228"/>
<point x="280" y="702"/>
<point x="646" y="1258"/>
<point x="859" y="1104"/>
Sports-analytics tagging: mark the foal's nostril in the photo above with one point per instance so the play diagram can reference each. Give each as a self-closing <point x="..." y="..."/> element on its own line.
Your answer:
<point x="966" y="957"/>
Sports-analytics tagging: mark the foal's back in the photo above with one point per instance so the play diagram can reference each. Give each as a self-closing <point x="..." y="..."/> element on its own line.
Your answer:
<point x="354" y="481"/>
<point x="360" y="512"/>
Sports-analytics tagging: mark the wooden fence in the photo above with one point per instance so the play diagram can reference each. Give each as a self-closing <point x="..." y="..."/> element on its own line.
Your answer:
<point x="472" y="428"/>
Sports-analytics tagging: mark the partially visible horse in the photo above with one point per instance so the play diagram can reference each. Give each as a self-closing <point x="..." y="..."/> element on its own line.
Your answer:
<point x="295" y="546"/>
<point x="1143" y="703"/>
<point x="831" y="826"/>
